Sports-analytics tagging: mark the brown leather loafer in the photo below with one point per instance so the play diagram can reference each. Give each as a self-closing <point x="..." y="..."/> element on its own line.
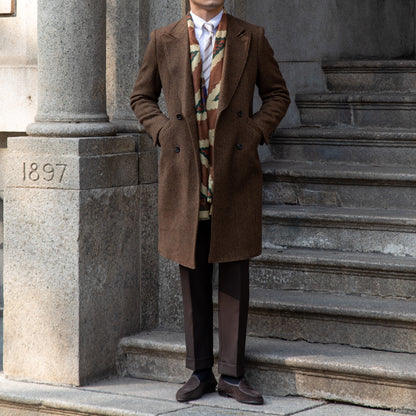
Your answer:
<point x="194" y="389"/>
<point x="241" y="392"/>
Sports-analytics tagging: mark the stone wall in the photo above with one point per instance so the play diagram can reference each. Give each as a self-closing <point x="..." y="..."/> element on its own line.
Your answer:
<point x="18" y="67"/>
<point x="303" y="33"/>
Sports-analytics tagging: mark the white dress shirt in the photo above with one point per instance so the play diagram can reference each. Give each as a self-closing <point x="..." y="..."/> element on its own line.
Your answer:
<point x="201" y="34"/>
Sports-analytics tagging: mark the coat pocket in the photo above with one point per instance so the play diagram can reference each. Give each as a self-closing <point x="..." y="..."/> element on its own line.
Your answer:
<point x="164" y="133"/>
<point x="258" y="134"/>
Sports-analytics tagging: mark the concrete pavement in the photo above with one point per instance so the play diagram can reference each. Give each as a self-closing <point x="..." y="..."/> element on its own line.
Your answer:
<point x="134" y="397"/>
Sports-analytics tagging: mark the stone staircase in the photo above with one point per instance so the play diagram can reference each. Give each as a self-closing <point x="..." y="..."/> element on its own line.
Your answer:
<point x="333" y="296"/>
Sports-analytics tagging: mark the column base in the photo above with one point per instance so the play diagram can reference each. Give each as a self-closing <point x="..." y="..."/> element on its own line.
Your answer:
<point x="71" y="129"/>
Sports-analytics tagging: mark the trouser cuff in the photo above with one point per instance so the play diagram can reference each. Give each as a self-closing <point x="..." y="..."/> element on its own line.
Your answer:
<point x="200" y="363"/>
<point x="231" y="369"/>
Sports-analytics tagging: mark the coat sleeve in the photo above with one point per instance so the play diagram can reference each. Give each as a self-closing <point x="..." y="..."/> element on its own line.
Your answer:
<point x="272" y="90"/>
<point x="146" y="92"/>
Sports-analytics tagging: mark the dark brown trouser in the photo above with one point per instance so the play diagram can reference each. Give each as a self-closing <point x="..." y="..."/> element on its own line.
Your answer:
<point x="233" y="295"/>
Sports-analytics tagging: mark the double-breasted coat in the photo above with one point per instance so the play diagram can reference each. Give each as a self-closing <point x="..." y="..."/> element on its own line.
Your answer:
<point x="236" y="222"/>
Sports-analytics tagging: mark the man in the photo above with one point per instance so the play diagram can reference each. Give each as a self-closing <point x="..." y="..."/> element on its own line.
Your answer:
<point x="210" y="177"/>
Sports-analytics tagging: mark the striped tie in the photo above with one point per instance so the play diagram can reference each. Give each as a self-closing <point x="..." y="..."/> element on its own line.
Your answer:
<point x="207" y="54"/>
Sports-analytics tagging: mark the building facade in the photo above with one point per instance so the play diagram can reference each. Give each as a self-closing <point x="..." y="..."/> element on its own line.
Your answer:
<point x="85" y="292"/>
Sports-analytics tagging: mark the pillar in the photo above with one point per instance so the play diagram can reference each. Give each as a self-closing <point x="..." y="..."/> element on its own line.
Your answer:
<point x="72" y="209"/>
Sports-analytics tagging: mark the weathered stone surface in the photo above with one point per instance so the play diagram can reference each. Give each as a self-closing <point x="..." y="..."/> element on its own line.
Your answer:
<point x="382" y="110"/>
<point x="339" y="184"/>
<point x="335" y="372"/>
<point x="166" y="391"/>
<point x="367" y="322"/>
<point x="148" y="159"/>
<point x="41" y="318"/>
<point x="71" y="163"/>
<point x="31" y="399"/>
<point x="163" y="13"/>
<point x="372" y="146"/>
<point x="124" y="45"/>
<point x="148" y="258"/>
<point x="334" y="271"/>
<point x="340" y="410"/>
<point x="108" y="263"/>
<point x="77" y="270"/>
<point x="371" y="75"/>
<point x="344" y="229"/>
<point x="71" y="88"/>
<point x="73" y="146"/>
<point x="132" y="397"/>
<point x="164" y="359"/>
<point x="170" y="295"/>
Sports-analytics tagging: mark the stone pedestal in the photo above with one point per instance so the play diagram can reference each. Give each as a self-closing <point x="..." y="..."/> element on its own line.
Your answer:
<point x="71" y="256"/>
<point x="72" y="213"/>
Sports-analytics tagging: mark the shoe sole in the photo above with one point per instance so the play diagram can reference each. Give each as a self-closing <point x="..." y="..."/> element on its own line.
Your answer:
<point x="225" y="394"/>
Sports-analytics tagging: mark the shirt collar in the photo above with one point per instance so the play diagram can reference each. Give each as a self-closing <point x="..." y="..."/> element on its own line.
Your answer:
<point x="215" y="21"/>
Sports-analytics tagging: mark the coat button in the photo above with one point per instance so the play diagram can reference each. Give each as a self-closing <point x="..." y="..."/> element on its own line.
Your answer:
<point x="239" y="146"/>
<point x="179" y="116"/>
<point x="240" y="114"/>
<point x="177" y="149"/>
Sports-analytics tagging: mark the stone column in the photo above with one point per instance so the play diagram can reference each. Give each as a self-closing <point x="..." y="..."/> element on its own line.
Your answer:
<point x="71" y="65"/>
<point x="72" y="210"/>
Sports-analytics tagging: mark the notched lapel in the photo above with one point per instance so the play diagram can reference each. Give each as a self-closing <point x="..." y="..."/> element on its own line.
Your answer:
<point x="235" y="58"/>
<point x="176" y="48"/>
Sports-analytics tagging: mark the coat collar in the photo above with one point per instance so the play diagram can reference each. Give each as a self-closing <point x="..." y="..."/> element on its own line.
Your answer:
<point x="235" y="57"/>
<point x="179" y="65"/>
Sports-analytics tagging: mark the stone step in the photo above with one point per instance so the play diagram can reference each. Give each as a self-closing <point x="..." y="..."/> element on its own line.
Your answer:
<point x="349" y="144"/>
<point x="337" y="272"/>
<point x="376" y="109"/>
<point x="359" y="321"/>
<point x="339" y="184"/>
<point x="126" y="396"/>
<point x="371" y="75"/>
<point x="345" y="229"/>
<point x="277" y="367"/>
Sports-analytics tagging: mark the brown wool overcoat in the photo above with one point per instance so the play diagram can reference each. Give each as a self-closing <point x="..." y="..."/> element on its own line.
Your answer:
<point x="236" y="223"/>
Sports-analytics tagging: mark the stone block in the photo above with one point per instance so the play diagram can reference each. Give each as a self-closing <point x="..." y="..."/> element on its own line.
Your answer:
<point x="170" y="295"/>
<point x="149" y="257"/>
<point x="332" y="271"/>
<point x="371" y="75"/>
<point x="41" y="316"/>
<point x="376" y="110"/>
<point x="351" y="145"/>
<point x="339" y="184"/>
<point x="72" y="163"/>
<point x="72" y="283"/>
<point x="148" y="162"/>
<point x="345" y="229"/>
<point x="364" y="322"/>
